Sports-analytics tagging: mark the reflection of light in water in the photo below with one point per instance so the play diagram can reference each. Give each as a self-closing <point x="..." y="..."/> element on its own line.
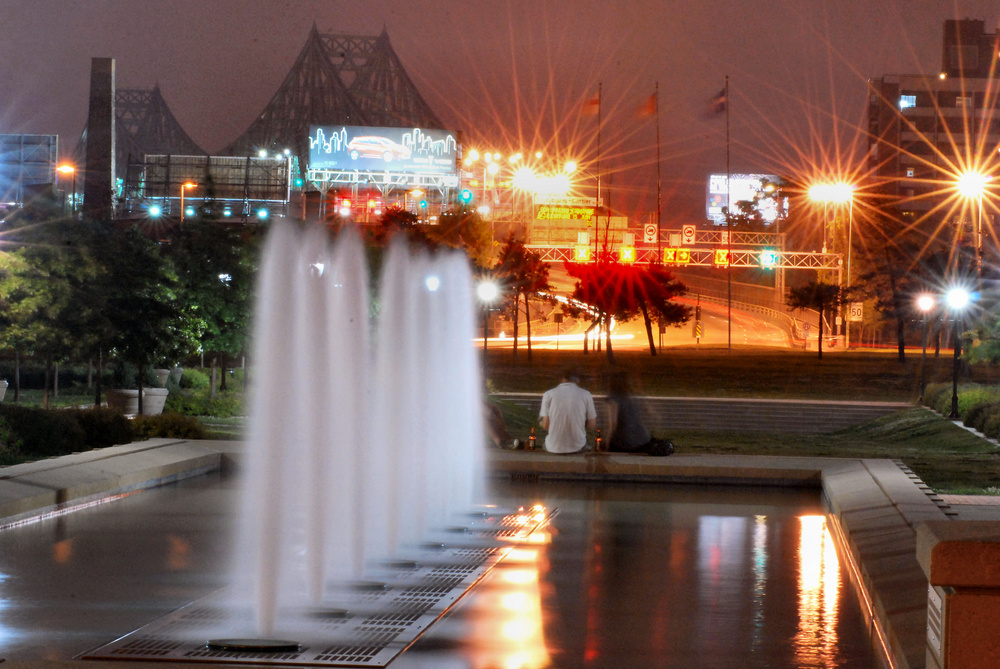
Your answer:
<point x="515" y="609"/>
<point x="62" y="551"/>
<point x="521" y="555"/>
<point x="819" y="591"/>
<point x="759" y="576"/>
<point x="178" y="553"/>
<point x="7" y="634"/>
<point x="520" y="576"/>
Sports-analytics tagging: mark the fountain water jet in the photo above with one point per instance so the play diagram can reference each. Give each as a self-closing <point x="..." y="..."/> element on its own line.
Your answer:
<point x="355" y="449"/>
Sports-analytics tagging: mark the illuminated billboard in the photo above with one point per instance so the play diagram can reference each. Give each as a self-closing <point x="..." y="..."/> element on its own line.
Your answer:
<point x="741" y="187"/>
<point x="368" y="149"/>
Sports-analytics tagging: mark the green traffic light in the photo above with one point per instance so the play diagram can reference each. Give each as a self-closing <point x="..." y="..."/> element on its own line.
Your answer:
<point x="768" y="259"/>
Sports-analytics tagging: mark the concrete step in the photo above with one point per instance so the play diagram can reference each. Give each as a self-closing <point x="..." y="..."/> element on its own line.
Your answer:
<point x="743" y="415"/>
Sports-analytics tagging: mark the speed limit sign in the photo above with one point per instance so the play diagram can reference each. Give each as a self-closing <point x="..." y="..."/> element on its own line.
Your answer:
<point x="649" y="233"/>
<point x="856" y="312"/>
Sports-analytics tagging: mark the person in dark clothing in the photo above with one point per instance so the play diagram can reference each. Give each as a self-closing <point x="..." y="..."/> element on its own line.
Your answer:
<point x="624" y="422"/>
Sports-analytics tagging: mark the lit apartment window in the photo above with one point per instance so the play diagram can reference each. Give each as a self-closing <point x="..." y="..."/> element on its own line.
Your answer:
<point x="907" y="101"/>
<point x="910" y="172"/>
<point x="963" y="102"/>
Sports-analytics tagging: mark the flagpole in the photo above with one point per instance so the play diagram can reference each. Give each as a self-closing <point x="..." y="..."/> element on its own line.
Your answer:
<point x="656" y="107"/>
<point x="729" y="227"/>
<point x="599" y="203"/>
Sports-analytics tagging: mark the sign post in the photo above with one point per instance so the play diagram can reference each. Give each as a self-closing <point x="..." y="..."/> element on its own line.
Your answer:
<point x="855" y="314"/>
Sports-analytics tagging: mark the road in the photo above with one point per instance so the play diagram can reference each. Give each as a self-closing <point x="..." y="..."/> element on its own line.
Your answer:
<point x="747" y="328"/>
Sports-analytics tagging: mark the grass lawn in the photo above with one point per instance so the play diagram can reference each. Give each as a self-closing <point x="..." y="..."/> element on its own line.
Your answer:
<point x="946" y="456"/>
<point x="743" y="372"/>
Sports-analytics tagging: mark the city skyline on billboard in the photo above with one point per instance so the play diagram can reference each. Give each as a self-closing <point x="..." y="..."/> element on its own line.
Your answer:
<point x="741" y="187"/>
<point x="380" y="149"/>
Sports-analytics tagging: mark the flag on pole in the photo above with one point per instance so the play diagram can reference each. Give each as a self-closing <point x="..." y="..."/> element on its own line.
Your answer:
<point x="717" y="104"/>
<point x="592" y="106"/>
<point x="647" y="108"/>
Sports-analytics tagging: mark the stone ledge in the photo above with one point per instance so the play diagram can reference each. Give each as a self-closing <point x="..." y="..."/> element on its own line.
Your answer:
<point x="48" y="485"/>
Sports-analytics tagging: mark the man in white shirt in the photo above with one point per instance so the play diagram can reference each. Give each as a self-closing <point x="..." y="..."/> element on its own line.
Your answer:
<point x="567" y="413"/>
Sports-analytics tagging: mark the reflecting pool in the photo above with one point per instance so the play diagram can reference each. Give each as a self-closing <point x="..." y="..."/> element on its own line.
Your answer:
<point x="640" y="575"/>
<point x="625" y="576"/>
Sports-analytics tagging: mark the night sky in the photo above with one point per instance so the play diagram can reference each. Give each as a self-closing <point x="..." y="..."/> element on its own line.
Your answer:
<point x="512" y="75"/>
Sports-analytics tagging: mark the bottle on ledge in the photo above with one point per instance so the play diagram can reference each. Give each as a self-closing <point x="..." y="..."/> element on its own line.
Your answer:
<point x="531" y="440"/>
<point x="599" y="443"/>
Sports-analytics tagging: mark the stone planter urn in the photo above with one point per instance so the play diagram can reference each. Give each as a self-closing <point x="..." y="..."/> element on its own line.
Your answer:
<point x="3" y="389"/>
<point x="127" y="400"/>
<point x="161" y="377"/>
<point x="175" y="375"/>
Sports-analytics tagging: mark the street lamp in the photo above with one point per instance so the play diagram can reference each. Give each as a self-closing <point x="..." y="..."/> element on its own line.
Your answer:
<point x="69" y="169"/>
<point x="839" y="193"/>
<point x="185" y="186"/>
<point x="488" y="291"/>
<point x="972" y="186"/>
<point x="958" y="299"/>
<point x="924" y="303"/>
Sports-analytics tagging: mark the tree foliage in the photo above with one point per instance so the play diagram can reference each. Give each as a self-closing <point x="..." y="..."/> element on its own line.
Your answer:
<point x="458" y="228"/>
<point x="47" y="277"/>
<point x="818" y="295"/>
<point x="215" y="264"/>
<point x="898" y="263"/>
<point x="523" y="274"/>
<point x="751" y="215"/>
<point x="623" y="292"/>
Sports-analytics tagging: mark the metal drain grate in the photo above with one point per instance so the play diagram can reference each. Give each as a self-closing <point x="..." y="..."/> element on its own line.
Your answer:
<point x="380" y="626"/>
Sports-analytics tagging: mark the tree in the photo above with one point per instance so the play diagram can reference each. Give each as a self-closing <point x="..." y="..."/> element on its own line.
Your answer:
<point x="459" y="228"/>
<point x="45" y="285"/>
<point x="621" y="292"/>
<point x="759" y="213"/>
<point x="463" y="228"/>
<point x="653" y="289"/>
<point x="823" y="297"/>
<point x="144" y="319"/>
<point x="901" y="263"/>
<point x="215" y="263"/>
<point x="524" y="273"/>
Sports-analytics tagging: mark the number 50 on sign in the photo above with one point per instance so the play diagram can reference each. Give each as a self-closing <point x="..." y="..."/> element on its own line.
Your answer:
<point x="855" y="312"/>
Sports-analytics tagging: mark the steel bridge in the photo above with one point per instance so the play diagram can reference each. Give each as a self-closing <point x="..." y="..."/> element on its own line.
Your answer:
<point x="336" y="79"/>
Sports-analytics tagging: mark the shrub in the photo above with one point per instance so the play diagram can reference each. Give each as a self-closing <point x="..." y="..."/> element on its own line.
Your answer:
<point x="226" y="404"/>
<point x="972" y="395"/>
<point x="103" y="426"/>
<point x="43" y="433"/>
<point x="991" y="423"/>
<point x="10" y="449"/>
<point x="171" y="425"/>
<point x="937" y="396"/>
<point x="195" y="379"/>
<point x="974" y="416"/>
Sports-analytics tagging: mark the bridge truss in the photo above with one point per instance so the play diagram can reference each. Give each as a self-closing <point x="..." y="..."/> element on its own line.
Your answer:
<point x="336" y="80"/>
<point x="703" y="257"/>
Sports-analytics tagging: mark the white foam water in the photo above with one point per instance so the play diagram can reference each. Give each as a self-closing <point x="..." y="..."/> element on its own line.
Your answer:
<point x="365" y="429"/>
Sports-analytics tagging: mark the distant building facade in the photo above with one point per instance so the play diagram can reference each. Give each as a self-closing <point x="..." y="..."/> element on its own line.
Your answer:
<point x="922" y="128"/>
